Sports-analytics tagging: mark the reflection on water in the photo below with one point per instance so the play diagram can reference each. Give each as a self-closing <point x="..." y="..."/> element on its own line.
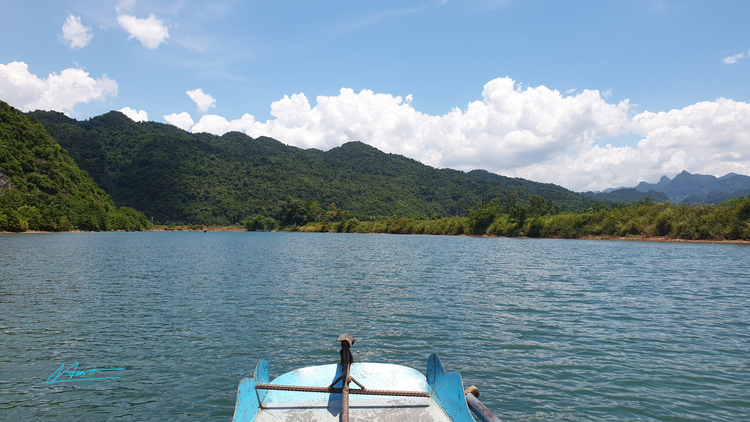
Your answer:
<point x="547" y="329"/>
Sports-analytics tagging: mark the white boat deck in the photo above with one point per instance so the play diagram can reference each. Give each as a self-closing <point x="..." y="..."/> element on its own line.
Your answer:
<point x="392" y="409"/>
<point x="446" y="401"/>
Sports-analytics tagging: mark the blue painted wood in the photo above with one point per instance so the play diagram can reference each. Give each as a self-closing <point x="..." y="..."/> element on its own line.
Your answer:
<point x="248" y="405"/>
<point x="262" y="376"/>
<point x="248" y="398"/>
<point x="311" y="376"/>
<point x="448" y="390"/>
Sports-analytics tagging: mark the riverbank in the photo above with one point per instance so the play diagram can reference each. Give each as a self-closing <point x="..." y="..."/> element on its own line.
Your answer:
<point x="664" y="239"/>
<point x="242" y="229"/>
<point x="162" y="228"/>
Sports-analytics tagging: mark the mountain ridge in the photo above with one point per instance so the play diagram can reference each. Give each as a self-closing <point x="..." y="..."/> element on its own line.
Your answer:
<point x="174" y="175"/>
<point x="684" y="188"/>
<point x="43" y="188"/>
<point x="700" y="188"/>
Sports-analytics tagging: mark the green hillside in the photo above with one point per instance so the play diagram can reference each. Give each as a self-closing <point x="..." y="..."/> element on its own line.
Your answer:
<point x="173" y="175"/>
<point x="626" y="196"/>
<point x="42" y="188"/>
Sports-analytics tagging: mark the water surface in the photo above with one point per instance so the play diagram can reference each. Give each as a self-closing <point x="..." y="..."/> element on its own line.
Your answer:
<point x="547" y="329"/>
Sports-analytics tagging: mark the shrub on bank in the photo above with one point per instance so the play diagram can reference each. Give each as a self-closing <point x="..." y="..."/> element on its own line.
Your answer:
<point x="727" y="221"/>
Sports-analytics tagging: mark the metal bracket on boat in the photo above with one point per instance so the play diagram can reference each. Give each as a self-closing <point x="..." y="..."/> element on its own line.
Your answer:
<point x="476" y="406"/>
<point x="347" y="341"/>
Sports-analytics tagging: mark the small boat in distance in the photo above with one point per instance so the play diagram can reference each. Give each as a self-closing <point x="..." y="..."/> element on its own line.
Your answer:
<point x="383" y="392"/>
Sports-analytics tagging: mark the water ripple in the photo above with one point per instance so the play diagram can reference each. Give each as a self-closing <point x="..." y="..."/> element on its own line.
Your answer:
<point x="547" y="329"/>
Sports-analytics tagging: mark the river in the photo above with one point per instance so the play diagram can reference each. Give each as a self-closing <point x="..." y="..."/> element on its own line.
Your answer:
<point x="548" y="330"/>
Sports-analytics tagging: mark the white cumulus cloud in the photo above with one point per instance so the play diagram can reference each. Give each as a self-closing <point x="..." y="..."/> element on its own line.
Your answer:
<point x="711" y="137"/>
<point x="508" y="129"/>
<point x="135" y="115"/>
<point x="60" y="92"/>
<point x="75" y="34"/>
<point x="536" y="133"/>
<point x="150" y="32"/>
<point x="733" y="59"/>
<point x="181" y="120"/>
<point x="203" y="100"/>
<point x="218" y="125"/>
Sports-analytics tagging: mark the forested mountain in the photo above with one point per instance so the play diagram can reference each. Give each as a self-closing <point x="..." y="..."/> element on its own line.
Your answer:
<point x="42" y="188"/>
<point x="685" y="188"/>
<point x="626" y="195"/>
<point x="173" y="175"/>
<point x="699" y="188"/>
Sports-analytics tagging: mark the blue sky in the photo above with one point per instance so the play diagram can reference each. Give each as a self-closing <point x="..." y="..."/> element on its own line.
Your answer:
<point x="585" y="94"/>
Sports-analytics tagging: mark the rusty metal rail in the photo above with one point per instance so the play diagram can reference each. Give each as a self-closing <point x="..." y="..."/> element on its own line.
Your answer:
<point x="346" y="361"/>
<point x="338" y="390"/>
<point x="347" y="341"/>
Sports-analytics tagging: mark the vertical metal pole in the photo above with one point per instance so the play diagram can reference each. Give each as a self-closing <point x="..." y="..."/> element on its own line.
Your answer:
<point x="346" y="361"/>
<point x="345" y="388"/>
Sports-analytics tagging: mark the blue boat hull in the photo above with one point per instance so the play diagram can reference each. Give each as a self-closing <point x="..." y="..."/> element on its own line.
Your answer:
<point x="445" y="399"/>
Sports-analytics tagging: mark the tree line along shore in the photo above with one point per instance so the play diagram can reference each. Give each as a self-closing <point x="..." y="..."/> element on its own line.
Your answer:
<point x="646" y="220"/>
<point x="728" y="221"/>
<point x="42" y="188"/>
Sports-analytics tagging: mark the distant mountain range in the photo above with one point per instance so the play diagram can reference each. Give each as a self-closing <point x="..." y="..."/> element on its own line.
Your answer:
<point x="685" y="188"/>
<point x="176" y="176"/>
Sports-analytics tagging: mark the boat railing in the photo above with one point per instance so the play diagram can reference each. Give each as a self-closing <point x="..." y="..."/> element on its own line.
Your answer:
<point x="347" y="341"/>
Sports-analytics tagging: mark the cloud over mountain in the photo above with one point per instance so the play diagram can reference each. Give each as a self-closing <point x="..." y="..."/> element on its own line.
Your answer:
<point x="534" y="132"/>
<point x="710" y="137"/>
<point x="181" y="120"/>
<point x="135" y="115"/>
<point x="59" y="91"/>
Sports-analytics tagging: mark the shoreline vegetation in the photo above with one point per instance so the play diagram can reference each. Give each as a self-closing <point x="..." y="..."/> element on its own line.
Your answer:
<point x="42" y="189"/>
<point x="645" y="220"/>
<point x="242" y="229"/>
<point x="728" y="222"/>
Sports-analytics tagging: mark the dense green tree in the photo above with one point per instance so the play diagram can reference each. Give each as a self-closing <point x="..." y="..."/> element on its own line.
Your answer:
<point x="173" y="175"/>
<point x="512" y="198"/>
<point x="537" y="205"/>
<point x="259" y="222"/>
<point x="294" y="212"/>
<point x="480" y="220"/>
<point x="42" y="188"/>
<point x="727" y="221"/>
